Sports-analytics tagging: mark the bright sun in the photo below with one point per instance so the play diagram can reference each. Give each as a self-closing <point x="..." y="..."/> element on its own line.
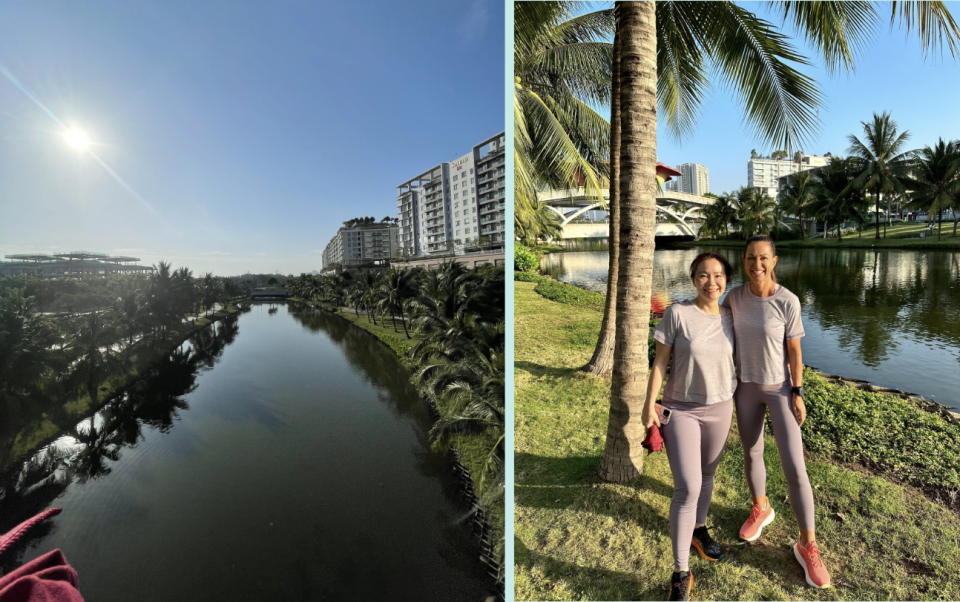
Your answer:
<point x="77" y="138"/>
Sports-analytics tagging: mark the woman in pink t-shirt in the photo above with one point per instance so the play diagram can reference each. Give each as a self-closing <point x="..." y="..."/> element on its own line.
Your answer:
<point x="766" y="318"/>
<point x="698" y="336"/>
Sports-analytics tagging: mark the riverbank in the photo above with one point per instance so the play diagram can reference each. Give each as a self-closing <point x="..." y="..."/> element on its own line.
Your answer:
<point x="140" y="357"/>
<point x="469" y="455"/>
<point x="883" y="532"/>
<point x="901" y="236"/>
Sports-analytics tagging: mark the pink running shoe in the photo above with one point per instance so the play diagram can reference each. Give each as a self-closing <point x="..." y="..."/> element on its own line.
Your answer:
<point x="751" y="530"/>
<point x="809" y="559"/>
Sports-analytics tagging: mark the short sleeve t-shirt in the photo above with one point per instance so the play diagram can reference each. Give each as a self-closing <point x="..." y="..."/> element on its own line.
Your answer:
<point x="702" y="354"/>
<point x="763" y="326"/>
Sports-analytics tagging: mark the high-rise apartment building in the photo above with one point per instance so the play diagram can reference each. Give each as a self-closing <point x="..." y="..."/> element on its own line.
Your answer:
<point x="764" y="173"/>
<point x="456" y="205"/>
<point x="695" y="179"/>
<point x="362" y="245"/>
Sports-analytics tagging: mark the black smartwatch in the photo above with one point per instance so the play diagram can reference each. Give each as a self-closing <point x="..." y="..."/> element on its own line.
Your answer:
<point x="797" y="391"/>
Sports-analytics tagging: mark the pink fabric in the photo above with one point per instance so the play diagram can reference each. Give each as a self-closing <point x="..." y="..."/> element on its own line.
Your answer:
<point x="45" y="579"/>
<point x="11" y="536"/>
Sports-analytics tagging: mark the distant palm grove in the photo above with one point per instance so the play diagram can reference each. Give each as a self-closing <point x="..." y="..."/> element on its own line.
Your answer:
<point x="879" y="177"/>
<point x="448" y="327"/>
<point x="91" y="339"/>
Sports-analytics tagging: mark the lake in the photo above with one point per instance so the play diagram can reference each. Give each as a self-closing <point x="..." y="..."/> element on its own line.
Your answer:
<point x="890" y="317"/>
<point x="279" y="456"/>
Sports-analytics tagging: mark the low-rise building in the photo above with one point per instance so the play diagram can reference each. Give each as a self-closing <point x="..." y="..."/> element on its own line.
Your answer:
<point x="764" y="173"/>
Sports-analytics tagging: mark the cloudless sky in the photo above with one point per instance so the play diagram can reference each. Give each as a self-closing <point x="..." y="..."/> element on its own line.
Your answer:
<point x="891" y="75"/>
<point x="233" y="136"/>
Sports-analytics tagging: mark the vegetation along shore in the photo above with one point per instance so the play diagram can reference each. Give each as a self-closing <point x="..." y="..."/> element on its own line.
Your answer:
<point x="446" y="327"/>
<point x="885" y="469"/>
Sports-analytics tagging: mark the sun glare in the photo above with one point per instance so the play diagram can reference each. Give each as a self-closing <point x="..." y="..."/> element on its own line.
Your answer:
<point x="77" y="138"/>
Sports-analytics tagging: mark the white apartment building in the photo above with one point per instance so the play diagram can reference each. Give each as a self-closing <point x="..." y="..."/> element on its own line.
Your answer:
<point x="764" y="173"/>
<point x="456" y="205"/>
<point x="695" y="179"/>
<point x="360" y="245"/>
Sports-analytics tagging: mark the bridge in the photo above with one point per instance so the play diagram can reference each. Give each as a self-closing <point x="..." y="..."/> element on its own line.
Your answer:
<point x="271" y="293"/>
<point x="674" y="212"/>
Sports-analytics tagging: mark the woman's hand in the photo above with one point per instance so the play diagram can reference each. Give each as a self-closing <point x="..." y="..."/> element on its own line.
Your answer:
<point x="799" y="410"/>
<point x="650" y="416"/>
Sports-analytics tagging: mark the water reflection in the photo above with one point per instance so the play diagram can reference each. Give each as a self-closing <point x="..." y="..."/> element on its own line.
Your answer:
<point x="90" y="449"/>
<point x="891" y="316"/>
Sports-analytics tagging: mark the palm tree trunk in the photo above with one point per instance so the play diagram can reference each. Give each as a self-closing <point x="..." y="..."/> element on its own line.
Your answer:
<point x="939" y="223"/>
<point x="622" y="455"/>
<point x="602" y="361"/>
<point x="800" y="214"/>
<point x="878" y="215"/>
<point x="393" y="318"/>
<point x="403" y="321"/>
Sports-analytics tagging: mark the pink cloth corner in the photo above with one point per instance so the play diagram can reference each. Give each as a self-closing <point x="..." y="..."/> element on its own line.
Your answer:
<point x="48" y="578"/>
<point x="11" y="536"/>
<point x="653" y="441"/>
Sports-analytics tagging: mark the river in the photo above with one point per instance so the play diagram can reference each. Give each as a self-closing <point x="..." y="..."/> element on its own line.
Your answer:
<point x="280" y="456"/>
<point x="891" y="317"/>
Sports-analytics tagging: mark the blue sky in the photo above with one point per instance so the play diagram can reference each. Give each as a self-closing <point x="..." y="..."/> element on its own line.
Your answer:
<point x="233" y="136"/>
<point x="892" y="75"/>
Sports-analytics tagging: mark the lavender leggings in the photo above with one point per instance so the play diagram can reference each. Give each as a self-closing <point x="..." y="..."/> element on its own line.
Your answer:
<point x="752" y="401"/>
<point x="694" y="440"/>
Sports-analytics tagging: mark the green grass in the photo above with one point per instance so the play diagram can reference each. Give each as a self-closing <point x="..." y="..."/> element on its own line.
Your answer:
<point x="577" y="538"/>
<point x="383" y="330"/>
<point x="905" y="235"/>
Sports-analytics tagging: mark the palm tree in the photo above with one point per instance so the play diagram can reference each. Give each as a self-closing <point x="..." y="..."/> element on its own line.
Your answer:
<point x="395" y="289"/>
<point x="98" y="359"/>
<point x="561" y="68"/>
<point x="666" y="50"/>
<point x="934" y="179"/>
<point x="797" y="195"/>
<point x="755" y="211"/>
<point x="540" y="223"/>
<point x="885" y="160"/>
<point x="26" y="338"/>
<point x="833" y="195"/>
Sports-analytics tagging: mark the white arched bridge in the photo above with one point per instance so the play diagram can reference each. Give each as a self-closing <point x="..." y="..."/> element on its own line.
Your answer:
<point x="674" y="212"/>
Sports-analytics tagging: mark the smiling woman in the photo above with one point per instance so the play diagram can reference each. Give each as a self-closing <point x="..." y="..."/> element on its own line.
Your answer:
<point x="77" y="138"/>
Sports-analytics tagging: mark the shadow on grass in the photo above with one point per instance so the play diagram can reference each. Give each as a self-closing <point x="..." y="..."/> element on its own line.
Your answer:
<point x="589" y="583"/>
<point x="540" y="370"/>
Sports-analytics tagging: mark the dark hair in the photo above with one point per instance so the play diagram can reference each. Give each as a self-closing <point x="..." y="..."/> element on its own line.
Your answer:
<point x="727" y="268"/>
<point x="766" y="239"/>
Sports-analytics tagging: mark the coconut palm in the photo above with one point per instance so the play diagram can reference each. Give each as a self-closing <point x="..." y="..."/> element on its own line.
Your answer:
<point x="540" y="223"/>
<point x="561" y="68"/>
<point x="98" y="359"/>
<point x="26" y="338"/>
<point x="885" y="160"/>
<point x="395" y="288"/>
<point x="755" y="211"/>
<point x="833" y="196"/>
<point x="668" y="47"/>
<point x="797" y="196"/>
<point x="934" y="182"/>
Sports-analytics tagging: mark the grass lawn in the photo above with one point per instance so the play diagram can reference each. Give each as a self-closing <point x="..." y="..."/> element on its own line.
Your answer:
<point x="577" y="538"/>
<point x="905" y="235"/>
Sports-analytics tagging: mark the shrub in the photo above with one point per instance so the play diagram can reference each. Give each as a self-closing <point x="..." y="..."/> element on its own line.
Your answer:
<point x="528" y="277"/>
<point x="524" y="260"/>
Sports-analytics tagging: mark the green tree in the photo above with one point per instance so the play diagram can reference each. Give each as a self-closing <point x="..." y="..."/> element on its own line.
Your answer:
<point x="797" y="196"/>
<point x="934" y="182"/>
<point x="884" y="158"/>
<point x="755" y="212"/>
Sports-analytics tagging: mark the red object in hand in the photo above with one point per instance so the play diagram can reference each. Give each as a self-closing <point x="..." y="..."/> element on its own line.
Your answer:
<point x="654" y="440"/>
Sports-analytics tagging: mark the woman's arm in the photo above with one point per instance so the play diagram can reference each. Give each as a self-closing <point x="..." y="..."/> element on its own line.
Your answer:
<point x="657" y="374"/>
<point x="796" y="375"/>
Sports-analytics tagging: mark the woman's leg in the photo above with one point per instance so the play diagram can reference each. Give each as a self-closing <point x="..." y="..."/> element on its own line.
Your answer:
<point x="750" y="414"/>
<point x="682" y="440"/>
<point x="790" y="445"/>
<point x="714" y="429"/>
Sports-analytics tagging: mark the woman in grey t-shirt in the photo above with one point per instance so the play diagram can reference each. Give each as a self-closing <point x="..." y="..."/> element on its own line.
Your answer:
<point x="699" y="336"/>
<point x="766" y="317"/>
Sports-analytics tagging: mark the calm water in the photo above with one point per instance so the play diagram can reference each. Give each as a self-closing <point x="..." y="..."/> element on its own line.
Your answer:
<point x="890" y="317"/>
<point x="283" y="459"/>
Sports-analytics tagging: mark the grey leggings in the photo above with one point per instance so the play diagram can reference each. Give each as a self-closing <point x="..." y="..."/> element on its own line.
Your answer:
<point x="694" y="439"/>
<point x="752" y="402"/>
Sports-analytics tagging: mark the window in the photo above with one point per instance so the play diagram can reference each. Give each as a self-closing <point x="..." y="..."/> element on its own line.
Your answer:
<point x="454" y="178"/>
<point x="458" y="222"/>
<point x="457" y="214"/>
<point x="471" y="180"/>
<point x="474" y="228"/>
<point x="458" y="232"/>
<point x="471" y="170"/>
<point x="456" y="194"/>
